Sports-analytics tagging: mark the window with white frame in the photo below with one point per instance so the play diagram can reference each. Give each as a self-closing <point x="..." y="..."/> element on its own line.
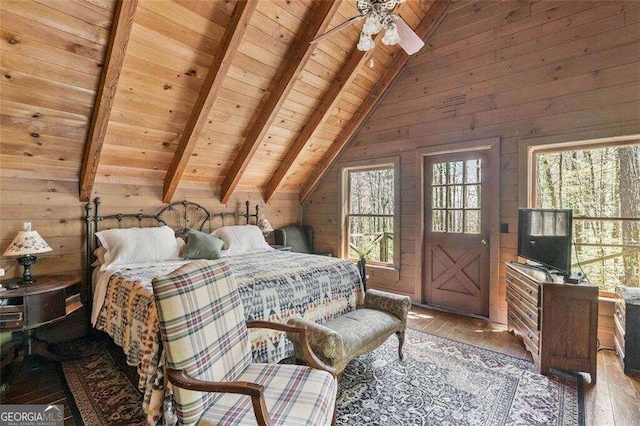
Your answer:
<point x="602" y="186"/>
<point x="370" y="196"/>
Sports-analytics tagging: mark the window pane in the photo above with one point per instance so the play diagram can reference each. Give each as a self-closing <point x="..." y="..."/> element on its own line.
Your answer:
<point x="437" y="221"/>
<point x="371" y="237"/>
<point x="372" y="191"/>
<point x="472" y="196"/>
<point x="439" y="173"/>
<point x="454" y="221"/>
<point x="455" y="197"/>
<point x="456" y="171"/>
<point x="472" y="171"/>
<point x="602" y="183"/>
<point x="439" y="197"/>
<point x="472" y="222"/>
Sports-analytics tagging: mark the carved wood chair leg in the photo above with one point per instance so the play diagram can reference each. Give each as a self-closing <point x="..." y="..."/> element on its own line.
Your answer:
<point x="400" y="335"/>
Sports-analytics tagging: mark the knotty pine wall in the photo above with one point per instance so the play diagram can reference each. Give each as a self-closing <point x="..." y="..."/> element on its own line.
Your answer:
<point x="508" y="69"/>
<point x="54" y="211"/>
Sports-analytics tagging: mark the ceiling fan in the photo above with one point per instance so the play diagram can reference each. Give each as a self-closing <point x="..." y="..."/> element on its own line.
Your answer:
<point x="379" y="16"/>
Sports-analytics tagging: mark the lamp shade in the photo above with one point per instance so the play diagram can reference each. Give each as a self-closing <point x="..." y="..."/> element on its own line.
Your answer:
<point x="26" y="243"/>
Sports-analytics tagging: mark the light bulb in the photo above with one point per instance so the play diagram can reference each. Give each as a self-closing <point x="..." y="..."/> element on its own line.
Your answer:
<point x="372" y="25"/>
<point x="391" y="36"/>
<point x="366" y="42"/>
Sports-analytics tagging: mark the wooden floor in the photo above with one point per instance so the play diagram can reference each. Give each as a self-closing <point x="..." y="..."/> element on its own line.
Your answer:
<point x="614" y="400"/>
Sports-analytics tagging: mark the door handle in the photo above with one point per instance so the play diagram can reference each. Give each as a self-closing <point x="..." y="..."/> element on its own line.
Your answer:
<point x="484" y="241"/>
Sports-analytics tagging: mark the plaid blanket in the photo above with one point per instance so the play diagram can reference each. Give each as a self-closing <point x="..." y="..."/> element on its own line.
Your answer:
<point x="273" y="285"/>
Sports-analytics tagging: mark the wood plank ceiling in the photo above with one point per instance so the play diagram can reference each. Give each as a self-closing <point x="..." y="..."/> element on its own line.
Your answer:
<point x="220" y="94"/>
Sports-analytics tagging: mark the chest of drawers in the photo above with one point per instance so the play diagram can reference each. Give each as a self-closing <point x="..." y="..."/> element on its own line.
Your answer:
<point x="627" y="328"/>
<point x="558" y="322"/>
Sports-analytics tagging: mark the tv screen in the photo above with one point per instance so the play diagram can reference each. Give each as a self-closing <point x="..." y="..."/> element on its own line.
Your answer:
<point x="544" y="236"/>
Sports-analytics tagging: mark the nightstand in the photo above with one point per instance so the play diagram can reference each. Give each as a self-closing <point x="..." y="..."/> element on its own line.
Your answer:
<point x="49" y="299"/>
<point x="280" y="247"/>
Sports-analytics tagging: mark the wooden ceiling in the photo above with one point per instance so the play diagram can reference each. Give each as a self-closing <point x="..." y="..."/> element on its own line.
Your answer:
<point x="221" y="94"/>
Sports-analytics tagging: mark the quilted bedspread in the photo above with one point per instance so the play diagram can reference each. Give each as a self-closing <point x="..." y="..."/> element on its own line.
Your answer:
<point x="274" y="286"/>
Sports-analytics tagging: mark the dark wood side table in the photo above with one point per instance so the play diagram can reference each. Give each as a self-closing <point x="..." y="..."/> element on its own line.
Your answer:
<point x="49" y="299"/>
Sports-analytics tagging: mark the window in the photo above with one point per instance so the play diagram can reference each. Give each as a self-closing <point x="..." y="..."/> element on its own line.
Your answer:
<point x="371" y="213"/>
<point x="455" y="192"/>
<point x="602" y="186"/>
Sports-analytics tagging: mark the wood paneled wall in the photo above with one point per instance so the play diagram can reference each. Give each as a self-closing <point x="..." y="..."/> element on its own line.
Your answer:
<point x="508" y="69"/>
<point x="54" y="211"/>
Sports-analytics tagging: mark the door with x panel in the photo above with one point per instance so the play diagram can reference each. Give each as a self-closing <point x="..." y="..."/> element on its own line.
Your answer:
<point x="456" y="243"/>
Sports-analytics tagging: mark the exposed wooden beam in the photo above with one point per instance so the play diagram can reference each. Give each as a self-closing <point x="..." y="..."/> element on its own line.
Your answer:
<point x="298" y="57"/>
<point x="329" y="100"/>
<point x="425" y="29"/>
<point x="112" y="66"/>
<point x="210" y="88"/>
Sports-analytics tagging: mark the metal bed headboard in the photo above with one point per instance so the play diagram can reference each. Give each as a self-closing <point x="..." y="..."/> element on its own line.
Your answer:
<point x="179" y="216"/>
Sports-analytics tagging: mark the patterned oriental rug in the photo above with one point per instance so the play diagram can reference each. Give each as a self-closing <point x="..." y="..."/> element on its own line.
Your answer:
<point x="439" y="382"/>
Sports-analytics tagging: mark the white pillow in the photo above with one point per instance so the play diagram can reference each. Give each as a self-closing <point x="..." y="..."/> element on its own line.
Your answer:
<point x="138" y="245"/>
<point x="241" y="238"/>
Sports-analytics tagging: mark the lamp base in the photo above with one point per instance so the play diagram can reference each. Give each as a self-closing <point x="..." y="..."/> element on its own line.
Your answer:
<point x="26" y="262"/>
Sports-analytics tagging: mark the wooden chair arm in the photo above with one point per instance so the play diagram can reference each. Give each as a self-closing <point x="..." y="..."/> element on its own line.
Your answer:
<point x="181" y="379"/>
<point x="308" y="353"/>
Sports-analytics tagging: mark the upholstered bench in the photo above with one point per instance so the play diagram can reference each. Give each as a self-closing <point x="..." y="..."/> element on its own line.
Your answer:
<point x="357" y="332"/>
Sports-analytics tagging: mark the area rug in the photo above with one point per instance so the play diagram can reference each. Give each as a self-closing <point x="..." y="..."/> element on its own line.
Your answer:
<point x="439" y="382"/>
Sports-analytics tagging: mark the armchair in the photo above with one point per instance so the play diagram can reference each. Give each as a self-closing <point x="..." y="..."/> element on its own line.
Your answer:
<point x="298" y="237"/>
<point x="208" y="357"/>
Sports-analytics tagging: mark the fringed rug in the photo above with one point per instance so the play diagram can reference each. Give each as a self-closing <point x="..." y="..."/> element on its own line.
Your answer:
<point x="439" y="382"/>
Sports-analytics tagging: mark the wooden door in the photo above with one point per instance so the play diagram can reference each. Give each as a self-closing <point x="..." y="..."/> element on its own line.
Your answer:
<point x="456" y="240"/>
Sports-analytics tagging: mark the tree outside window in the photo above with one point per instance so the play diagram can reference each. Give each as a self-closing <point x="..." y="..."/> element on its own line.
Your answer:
<point x="602" y="186"/>
<point x="370" y="229"/>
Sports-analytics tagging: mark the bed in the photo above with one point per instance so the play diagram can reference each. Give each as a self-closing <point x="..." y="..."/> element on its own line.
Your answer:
<point x="274" y="285"/>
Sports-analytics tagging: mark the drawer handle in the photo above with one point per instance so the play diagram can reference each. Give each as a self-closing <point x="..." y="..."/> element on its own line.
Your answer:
<point x="529" y="291"/>
<point x="510" y="298"/>
<point x="510" y="278"/>
<point x="529" y="335"/>
<point x="529" y="314"/>
<point x="11" y="317"/>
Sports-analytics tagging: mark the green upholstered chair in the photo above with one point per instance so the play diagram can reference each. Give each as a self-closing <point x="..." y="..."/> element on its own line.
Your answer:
<point x="298" y="237"/>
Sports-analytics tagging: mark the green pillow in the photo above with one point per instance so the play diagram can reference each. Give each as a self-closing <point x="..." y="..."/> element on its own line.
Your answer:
<point x="201" y="245"/>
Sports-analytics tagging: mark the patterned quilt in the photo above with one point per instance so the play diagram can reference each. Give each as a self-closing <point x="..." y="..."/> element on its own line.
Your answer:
<point x="273" y="285"/>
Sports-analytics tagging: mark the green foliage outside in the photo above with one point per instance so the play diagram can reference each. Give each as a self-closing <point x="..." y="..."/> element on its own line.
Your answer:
<point x="371" y="203"/>
<point x="597" y="183"/>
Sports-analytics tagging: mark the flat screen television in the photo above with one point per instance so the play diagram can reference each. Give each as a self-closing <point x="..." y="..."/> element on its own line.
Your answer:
<point x="544" y="237"/>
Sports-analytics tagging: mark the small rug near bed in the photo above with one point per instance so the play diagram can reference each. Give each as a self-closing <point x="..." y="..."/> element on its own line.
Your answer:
<point x="439" y="382"/>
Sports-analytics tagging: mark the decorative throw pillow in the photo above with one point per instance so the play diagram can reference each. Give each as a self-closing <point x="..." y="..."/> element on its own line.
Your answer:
<point x="201" y="245"/>
<point x="138" y="245"/>
<point x="241" y="238"/>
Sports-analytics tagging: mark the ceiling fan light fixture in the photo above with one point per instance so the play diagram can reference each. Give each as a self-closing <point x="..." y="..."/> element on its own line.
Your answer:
<point x="391" y="35"/>
<point x="373" y="24"/>
<point x="366" y="42"/>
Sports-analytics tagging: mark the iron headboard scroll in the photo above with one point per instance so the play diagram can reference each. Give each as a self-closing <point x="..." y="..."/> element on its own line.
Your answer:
<point x="179" y="216"/>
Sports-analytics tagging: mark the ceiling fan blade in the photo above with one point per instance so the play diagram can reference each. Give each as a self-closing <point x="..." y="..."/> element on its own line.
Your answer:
<point x="409" y="40"/>
<point x="336" y="29"/>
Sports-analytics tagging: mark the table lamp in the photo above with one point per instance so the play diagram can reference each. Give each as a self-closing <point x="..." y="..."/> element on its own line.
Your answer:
<point x="24" y="246"/>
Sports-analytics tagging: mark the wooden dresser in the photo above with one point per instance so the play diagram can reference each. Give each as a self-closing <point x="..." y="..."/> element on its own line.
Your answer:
<point x="558" y="322"/>
<point x="627" y="334"/>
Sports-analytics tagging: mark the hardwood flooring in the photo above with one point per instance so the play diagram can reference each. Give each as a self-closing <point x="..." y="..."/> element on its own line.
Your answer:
<point x="614" y="400"/>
